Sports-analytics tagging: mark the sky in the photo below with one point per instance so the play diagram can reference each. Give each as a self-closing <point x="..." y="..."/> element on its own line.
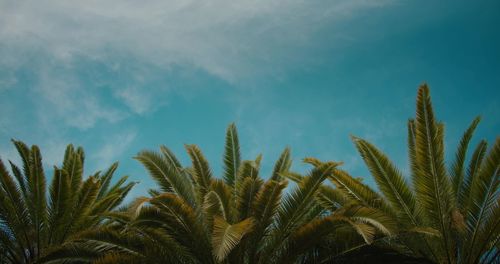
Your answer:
<point x="118" y="77"/>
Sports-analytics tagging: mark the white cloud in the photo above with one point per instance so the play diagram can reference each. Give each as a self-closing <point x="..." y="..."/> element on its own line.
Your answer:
<point x="58" y="41"/>
<point x="228" y="39"/>
<point x="113" y="149"/>
<point x="63" y="97"/>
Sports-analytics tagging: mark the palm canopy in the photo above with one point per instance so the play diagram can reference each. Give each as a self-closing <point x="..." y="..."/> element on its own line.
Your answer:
<point x="195" y="217"/>
<point x="32" y="221"/>
<point x="453" y="213"/>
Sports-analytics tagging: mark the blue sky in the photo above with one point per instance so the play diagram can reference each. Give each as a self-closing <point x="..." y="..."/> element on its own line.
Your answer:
<point x="118" y="77"/>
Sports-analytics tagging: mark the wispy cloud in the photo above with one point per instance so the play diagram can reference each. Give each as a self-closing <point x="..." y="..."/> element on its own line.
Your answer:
<point x="227" y="39"/>
<point x="113" y="149"/>
<point x="65" y="98"/>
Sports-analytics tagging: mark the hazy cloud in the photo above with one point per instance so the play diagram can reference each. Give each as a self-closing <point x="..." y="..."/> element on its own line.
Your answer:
<point x="113" y="149"/>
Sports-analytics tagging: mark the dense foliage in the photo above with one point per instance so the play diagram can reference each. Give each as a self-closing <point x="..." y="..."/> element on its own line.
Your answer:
<point x="437" y="214"/>
<point x="32" y="221"/>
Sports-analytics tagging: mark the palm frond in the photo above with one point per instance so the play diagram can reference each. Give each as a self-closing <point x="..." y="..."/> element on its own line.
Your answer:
<point x="389" y="180"/>
<point x="265" y="207"/>
<point x="226" y="236"/>
<point x="247" y="195"/>
<point x="60" y="203"/>
<point x="37" y="189"/>
<point x="282" y="165"/>
<point x="471" y="178"/>
<point x="355" y="190"/>
<point x="295" y="207"/>
<point x="164" y="170"/>
<point x="231" y="155"/>
<point x="484" y="193"/>
<point x="432" y="184"/>
<point x="106" y="180"/>
<point x="457" y="171"/>
<point x="201" y="170"/>
<point x="73" y="165"/>
<point x="14" y="213"/>
<point x="219" y="201"/>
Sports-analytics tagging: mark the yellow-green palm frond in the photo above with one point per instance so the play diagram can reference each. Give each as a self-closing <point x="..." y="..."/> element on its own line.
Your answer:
<point x="247" y="195"/>
<point x="316" y="162"/>
<point x="282" y="164"/>
<point x="389" y="180"/>
<point x="355" y="190"/>
<point x="227" y="236"/>
<point x="73" y="165"/>
<point x="219" y="201"/>
<point x="432" y="184"/>
<point x="201" y="171"/>
<point x="383" y="223"/>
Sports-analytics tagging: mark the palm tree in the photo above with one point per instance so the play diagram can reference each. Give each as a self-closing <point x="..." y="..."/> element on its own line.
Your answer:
<point x="448" y="215"/>
<point x="195" y="217"/>
<point x="33" y="221"/>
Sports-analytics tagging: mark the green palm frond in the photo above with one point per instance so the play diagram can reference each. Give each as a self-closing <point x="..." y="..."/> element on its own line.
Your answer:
<point x="471" y="176"/>
<point x="14" y="217"/>
<point x="60" y="203"/>
<point x="164" y="169"/>
<point x="105" y="179"/>
<point x="458" y="165"/>
<point x="182" y="213"/>
<point x="484" y="194"/>
<point x="330" y="198"/>
<point x="308" y="236"/>
<point x="201" y="171"/>
<point x="232" y="157"/>
<point x="295" y="207"/>
<point x="73" y="165"/>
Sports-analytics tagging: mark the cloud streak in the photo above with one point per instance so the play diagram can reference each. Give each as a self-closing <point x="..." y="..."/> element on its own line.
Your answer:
<point x="229" y="39"/>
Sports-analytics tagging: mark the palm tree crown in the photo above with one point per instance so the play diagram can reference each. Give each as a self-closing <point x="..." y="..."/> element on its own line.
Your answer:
<point x="452" y="213"/>
<point x="32" y="221"/>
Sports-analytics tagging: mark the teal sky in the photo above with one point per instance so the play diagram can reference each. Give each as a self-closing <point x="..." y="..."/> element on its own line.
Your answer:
<point x="118" y="77"/>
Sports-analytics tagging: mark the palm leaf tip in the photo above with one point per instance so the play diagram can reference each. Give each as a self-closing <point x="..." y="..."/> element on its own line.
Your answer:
<point x="283" y="164"/>
<point x="232" y="157"/>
